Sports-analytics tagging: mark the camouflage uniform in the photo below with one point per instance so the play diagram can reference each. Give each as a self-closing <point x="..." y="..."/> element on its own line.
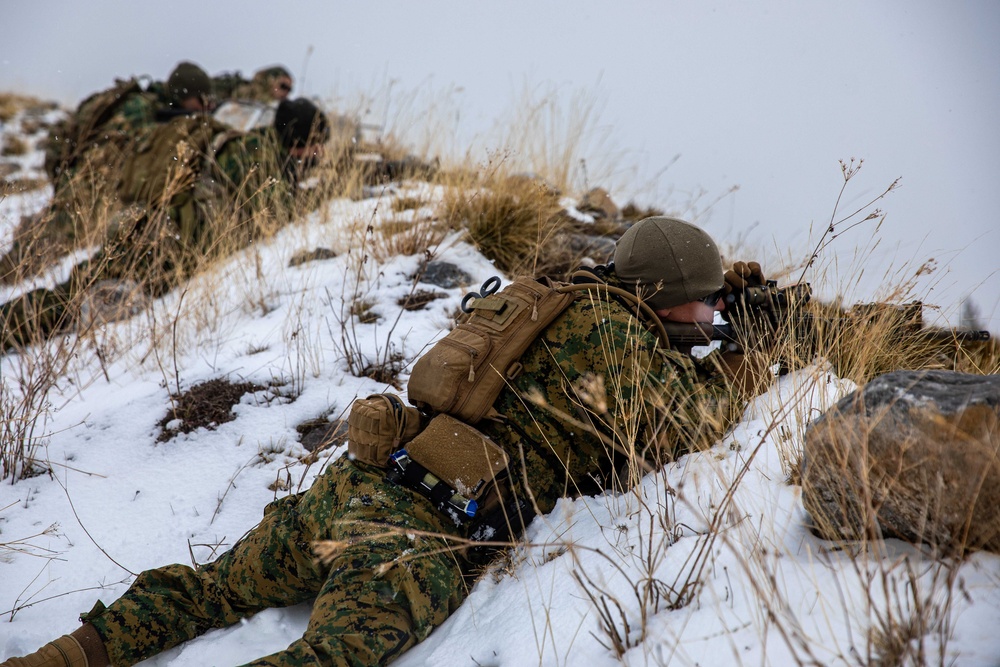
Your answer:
<point x="220" y="196"/>
<point x="141" y="110"/>
<point x="84" y="159"/>
<point x="371" y="602"/>
<point x="386" y="591"/>
<point x="661" y="400"/>
<point x="215" y="194"/>
<point x="132" y="111"/>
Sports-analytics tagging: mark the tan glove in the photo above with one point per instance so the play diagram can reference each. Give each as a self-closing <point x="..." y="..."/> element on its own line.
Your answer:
<point x="743" y="275"/>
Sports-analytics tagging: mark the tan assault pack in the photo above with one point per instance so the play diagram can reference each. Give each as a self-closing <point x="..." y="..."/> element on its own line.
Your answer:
<point x="464" y="372"/>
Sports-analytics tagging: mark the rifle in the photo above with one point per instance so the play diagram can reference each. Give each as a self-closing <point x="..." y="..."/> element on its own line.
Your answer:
<point x="769" y="311"/>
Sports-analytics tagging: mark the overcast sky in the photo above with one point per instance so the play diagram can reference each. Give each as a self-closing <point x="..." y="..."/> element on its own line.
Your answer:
<point x="698" y="96"/>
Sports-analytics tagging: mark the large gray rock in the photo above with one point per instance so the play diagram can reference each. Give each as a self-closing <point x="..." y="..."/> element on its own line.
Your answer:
<point x="913" y="455"/>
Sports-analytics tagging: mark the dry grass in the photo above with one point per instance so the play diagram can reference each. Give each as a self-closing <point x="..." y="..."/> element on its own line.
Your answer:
<point x="14" y="145"/>
<point x="403" y="238"/>
<point x="13" y="103"/>
<point x="21" y="185"/>
<point x="561" y="138"/>
<point x="513" y="221"/>
<point x="83" y="211"/>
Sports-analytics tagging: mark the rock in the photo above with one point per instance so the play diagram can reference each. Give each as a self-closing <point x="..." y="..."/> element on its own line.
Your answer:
<point x="314" y="255"/>
<point x="419" y="299"/>
<point x="322" y="434"/>
<point x="914" y="454"/>
<point x="598" y="202"/>
<point x="445" y="275"/>
<point x="598" y="248"/>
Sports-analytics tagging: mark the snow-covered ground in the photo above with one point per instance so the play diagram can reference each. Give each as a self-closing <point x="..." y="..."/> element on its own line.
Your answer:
<point x="596" y="572"/>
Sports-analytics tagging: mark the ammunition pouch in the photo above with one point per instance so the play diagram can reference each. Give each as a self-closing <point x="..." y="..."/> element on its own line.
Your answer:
<point x="460" y="456"/>
<point x="453" y="465"/>
<point x="464" y="475"/>
<point x="378" y="426"/>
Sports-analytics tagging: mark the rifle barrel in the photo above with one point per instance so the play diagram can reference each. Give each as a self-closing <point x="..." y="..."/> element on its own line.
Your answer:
<point x="703" y="334"/>
<point x="698" y="334"/>
<point x="961" y="335"/>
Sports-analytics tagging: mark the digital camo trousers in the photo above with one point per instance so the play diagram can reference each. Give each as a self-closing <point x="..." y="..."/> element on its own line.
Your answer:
<point x="385" y="591"/>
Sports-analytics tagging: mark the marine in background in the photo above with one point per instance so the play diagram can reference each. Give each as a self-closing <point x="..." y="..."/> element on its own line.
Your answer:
<point x="115" y="117"/>
<point x="84" y="157"/>
<point x="192" y="190"/>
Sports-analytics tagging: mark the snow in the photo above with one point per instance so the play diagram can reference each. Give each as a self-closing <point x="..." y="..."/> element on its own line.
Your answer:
<point x="117" y="501"/>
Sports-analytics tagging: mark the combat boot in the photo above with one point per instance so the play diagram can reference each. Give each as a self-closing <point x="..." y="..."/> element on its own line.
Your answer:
<point x="83" y="648"/>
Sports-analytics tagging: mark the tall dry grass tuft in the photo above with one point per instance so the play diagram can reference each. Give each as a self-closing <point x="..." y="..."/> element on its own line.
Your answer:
<point x="561" y="138"/>
<point x="26" y="383"/>
<point x="512" y="220"/>
<point x="861" y="340"/>
<point x="400" y="237"/>
<point x="353" y="311"/>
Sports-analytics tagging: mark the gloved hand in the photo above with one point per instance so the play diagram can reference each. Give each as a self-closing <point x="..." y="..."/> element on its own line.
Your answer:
<point x="739" y="309"/>
<point x="743" y="275"/>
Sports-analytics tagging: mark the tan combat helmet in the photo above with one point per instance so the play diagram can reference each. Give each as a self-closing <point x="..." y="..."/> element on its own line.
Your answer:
<point x="668" y="262"/>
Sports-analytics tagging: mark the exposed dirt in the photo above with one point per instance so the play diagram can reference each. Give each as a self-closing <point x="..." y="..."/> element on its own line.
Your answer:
<point x="204" y="405"/>
<point x="319" y="434"/>
<point x="419" y="299"/>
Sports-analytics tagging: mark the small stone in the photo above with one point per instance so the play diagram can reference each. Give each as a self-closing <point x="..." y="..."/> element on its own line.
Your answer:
<point x="311" y="256"/>
<point x="445" y="275"/>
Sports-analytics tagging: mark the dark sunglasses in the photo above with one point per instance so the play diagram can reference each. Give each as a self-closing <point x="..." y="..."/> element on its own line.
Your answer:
<point x="287" y="87"/>
<point x="713" y="298"/>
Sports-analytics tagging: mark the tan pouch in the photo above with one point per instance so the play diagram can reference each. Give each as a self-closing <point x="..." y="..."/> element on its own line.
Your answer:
<point x="378" y="426"/>
<point x="464" y="372"/>
<point x="459" y="455"/>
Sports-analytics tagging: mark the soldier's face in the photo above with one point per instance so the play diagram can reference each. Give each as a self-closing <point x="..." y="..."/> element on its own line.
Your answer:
<point x="690" y="313"/>
<point x="281" y="88"/>
<point x="196" y="103"/>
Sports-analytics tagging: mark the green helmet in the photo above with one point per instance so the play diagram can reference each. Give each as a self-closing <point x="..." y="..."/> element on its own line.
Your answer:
<point x="188" y="80"/>
<point x="668" y="262"/>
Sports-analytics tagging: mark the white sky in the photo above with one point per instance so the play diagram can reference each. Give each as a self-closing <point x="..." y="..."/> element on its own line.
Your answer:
<point x="767" y="96"/>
